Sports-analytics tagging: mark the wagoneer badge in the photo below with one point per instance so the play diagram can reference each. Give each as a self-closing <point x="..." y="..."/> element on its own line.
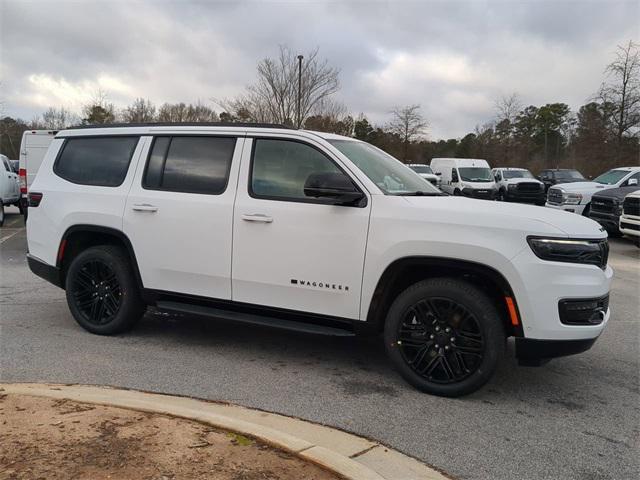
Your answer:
<point x="323" y="285"/>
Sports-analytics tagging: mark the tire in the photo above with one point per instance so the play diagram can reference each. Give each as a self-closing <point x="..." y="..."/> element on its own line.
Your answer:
<point x="1" y="213"/>
<point x="411" y="331"/>
<point x="457" y="193"/>
<point x="102" y="292"/>
<point x="501" y="196"/>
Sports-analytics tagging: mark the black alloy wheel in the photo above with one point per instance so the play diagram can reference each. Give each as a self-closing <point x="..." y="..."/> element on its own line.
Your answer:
<point x="444" y="336"/>
<point x="102" y="290"/>
<point x="96" y="292"/>
<point x="441" y="340"/>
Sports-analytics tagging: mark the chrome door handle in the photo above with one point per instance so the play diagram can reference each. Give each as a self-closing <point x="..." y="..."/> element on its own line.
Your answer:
<point x="144" y="207"/>
<point x="257" y="217"/>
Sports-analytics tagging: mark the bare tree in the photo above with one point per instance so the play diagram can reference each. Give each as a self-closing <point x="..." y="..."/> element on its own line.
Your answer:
<point x="622" y="91"/>
<point x="508" y="107"/>
<point x="408" y="123"/>
<point x="274" y="96"/>
<point x="55" y="119"/>
<point x="99" y="110"/>
<point x="139" y="111"/>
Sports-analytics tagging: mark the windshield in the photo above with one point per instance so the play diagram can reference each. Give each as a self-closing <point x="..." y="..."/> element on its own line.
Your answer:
<point x="475" y="174"/>
<point x="421" y="168"/>
<point x="390" y="175"/>
<point x="517" y="174"/>
<point x="569" y="174"/>
<point x="611" y="177"/>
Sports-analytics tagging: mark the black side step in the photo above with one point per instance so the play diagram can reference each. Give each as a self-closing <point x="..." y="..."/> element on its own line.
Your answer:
<point x="254" y="319"/>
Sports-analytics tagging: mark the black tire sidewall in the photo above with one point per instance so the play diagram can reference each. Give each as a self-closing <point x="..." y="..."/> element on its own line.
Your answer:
<point x="131" y="306"/>
<point x="2" y="213"/>
<point x="475" y="301"/>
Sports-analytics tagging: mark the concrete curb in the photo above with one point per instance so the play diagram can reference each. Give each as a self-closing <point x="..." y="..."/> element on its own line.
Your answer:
<point x="348" y="455"/>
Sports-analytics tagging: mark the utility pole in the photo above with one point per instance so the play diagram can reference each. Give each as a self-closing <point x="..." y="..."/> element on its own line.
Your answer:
<point x="299" y="120"/>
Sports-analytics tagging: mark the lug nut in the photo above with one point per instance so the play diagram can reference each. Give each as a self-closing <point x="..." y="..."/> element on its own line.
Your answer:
<point x="437" y="346"/>
<point x="432" y="336"/>
<point x="447" y="329"/>
<point x="437" y="329"/>
<point x="446" y="347"/>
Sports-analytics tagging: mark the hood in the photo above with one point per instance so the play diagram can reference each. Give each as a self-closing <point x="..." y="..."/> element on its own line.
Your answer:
<point x="617" y="193"/>
<point x="523" y="180"/>
<point x="529" y="219"/>
<point x="582" y="187"/>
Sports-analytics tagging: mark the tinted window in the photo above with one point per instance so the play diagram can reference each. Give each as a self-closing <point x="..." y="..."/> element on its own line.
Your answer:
<point x="190" y="164"/>
<point x="280" y="169"/>
<point x="611" y="177"/>
<point x="101" y="161"/>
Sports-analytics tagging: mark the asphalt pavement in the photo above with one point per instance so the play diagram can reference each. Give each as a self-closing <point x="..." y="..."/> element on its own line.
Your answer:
<point x="574" y="418"/>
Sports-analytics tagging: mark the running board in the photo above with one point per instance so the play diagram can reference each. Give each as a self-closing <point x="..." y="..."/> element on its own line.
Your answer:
<point x="253" y="319"/>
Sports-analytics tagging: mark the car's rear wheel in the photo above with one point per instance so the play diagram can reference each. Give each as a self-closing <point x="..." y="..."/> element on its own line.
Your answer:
<point x="102" y="292"/>
<point x="1" y="213"/>
<point x="444" y="337"/>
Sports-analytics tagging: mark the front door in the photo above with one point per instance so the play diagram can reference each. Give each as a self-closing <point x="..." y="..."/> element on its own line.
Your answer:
<point x="179" y="213"/>
<point x="289" y="250"/>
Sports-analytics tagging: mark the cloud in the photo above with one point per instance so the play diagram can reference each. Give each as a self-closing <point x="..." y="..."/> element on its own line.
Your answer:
<point x="454" y="58"/>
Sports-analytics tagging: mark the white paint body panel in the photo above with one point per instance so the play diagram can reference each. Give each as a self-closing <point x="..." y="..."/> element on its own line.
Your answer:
<point x="33" y="149"/>
<point x="443" y="167"/>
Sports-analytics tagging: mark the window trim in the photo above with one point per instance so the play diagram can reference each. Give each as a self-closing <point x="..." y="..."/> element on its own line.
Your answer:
<point x="84" y="137"/>
<point x="313" y="201"/>
<point x="164" y="162"/>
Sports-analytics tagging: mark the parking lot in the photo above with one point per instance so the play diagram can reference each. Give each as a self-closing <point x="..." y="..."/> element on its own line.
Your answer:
<point x="575" y="418"/>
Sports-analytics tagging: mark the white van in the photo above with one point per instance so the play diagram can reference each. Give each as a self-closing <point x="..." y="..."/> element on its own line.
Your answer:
<point x="470" y="177"/>
<point x="32" y="149"/>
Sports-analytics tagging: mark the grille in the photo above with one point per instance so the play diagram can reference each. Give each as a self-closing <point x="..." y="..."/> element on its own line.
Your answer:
<point x="603" y="205"/>
<point x="632" y="206"/>
<point x="630" y="226"/>
<point x="554" y="196"/>
<point x="529" y="187"/>
<point x="475" y="193"/>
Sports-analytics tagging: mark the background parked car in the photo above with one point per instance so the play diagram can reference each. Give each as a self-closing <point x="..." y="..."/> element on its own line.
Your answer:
<point x="33" y="147"/>
<point x="518" y="185"/>
<point x="555" y="176"/>
<point x="469" y="177"/>
<point x="576" y="197"/>
<point x="630" y="219"/>
<point x="425" y="172"/>
<point x="9" y="186"/>
<point x="606" y="207"/>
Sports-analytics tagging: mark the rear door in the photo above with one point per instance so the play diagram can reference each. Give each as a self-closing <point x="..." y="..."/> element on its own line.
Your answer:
<point x="291" y="251"/>
<point x="179" y="213"/>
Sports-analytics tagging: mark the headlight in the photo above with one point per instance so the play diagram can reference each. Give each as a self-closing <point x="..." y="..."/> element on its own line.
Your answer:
<point x="591" y="252"/>
<point x="571" y="198"/>
<point x="511" y="187"/>
<point x="542" y="186"/>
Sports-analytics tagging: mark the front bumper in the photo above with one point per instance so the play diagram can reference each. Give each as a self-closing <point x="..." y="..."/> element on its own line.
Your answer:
<point x="609" y="221"/>
<point x="533" y="353"/>
<point x="566" y="207"/>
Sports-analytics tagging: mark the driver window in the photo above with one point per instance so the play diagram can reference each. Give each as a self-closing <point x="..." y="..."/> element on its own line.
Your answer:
<point x="280" y="169"/>
<point x="636" y="177"/>
<point x="454" y="175"/>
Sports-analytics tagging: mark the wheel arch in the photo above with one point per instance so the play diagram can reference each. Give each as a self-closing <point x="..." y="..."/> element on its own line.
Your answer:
<point x="80" y="237"/>
<point x="406" y="271"/>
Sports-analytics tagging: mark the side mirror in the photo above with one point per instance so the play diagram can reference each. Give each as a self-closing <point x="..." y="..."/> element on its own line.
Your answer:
<point x="632" y="181"/>
<point x="334" y="186"/>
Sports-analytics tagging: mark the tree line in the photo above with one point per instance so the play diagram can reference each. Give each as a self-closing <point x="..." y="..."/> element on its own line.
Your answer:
<point x="294" y="91"/>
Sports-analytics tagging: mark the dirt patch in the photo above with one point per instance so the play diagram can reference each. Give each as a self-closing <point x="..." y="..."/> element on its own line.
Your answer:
<point x="42" y="438"/>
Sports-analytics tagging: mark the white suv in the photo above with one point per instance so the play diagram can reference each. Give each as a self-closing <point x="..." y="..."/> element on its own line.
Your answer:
<point x="314" y="232"/>
<point x="576" y="196"/>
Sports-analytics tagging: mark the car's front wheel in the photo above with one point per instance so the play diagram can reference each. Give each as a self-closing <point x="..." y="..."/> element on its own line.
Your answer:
<point x="102" y="292"/>
<point x="444" y="336"/>
<point x="1" y="213"/>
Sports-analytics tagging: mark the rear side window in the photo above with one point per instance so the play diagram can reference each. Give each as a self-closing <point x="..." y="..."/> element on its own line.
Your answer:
<point x="100" y="161"/>
<point x="189" y="164"/>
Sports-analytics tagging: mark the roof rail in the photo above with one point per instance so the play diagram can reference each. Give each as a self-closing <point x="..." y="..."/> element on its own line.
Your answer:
<point x="183" y="124"/>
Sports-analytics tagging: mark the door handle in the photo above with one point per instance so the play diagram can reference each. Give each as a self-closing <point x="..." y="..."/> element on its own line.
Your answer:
<point x="144" y="207"/>
<point x="257" y="217"/>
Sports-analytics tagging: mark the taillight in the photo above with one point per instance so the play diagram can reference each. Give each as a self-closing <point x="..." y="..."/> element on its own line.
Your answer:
<point x="34" y="199"/>
<point x="23" y="180"/>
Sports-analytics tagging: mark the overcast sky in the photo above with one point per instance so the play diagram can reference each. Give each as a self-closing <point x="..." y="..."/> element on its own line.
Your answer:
<point x="453" y="58"/>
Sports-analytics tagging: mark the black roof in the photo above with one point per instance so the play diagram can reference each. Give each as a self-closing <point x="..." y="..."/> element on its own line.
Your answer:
<point x="618" y="193"/>
<point x="182" y="124"/>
